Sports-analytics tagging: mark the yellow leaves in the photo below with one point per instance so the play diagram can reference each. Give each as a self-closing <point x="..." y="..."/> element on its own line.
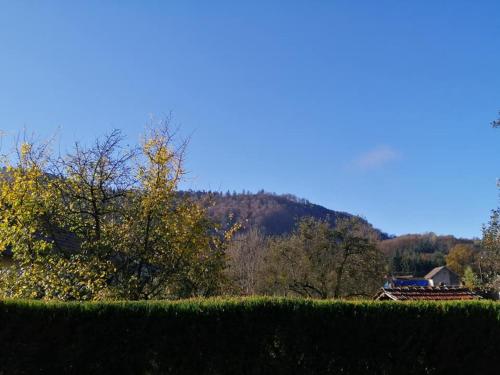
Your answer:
<point x="25" y="149"/>
<point x="62" y="278"/>
<point x="156" y="150"/>
<point x="153" y="242"/>
<point x="162" y="169"/>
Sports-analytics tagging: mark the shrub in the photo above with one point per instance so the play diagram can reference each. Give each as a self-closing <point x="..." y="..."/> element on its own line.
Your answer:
<point x="249" y="336"/>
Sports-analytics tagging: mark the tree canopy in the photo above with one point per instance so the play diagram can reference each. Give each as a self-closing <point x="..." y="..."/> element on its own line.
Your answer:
<point x="322" y="261"/>
<point x="105" y="221"/>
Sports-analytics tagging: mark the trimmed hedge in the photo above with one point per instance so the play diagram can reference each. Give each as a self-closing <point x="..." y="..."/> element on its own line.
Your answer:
<point x="249" y="336"/>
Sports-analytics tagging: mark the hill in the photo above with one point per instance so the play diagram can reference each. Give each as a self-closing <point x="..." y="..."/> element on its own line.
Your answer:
<point x="276" y="214"/>
<point x="273" y="214"/>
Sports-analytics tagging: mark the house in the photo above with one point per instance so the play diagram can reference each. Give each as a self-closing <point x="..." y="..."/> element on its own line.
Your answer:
<point x="429" y="293"/>
<point x="442" y="276"/>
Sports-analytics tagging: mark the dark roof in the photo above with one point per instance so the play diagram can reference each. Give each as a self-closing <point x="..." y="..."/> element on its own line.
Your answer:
<point x="66" y="240"/>
<point x="62" y="240"/>
<point x="429" y="293"/>
<point x="396" y="281"/>
<point x="436" y="270"/>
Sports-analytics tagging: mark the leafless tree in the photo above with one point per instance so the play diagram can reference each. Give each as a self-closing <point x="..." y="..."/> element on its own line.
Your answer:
<point x="245" y="260"/>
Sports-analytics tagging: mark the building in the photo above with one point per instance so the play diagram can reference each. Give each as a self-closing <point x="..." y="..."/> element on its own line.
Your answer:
<point x="440" y="276"/>
<point x="440" y="284"/>
<point x="429" y="293"/>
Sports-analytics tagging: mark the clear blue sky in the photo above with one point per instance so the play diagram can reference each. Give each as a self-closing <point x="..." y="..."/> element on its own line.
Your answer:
<point x="379" y="108"/>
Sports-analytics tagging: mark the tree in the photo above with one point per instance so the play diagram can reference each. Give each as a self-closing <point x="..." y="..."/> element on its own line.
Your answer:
<point x="397" y="263"/>
<point x="246" y="259"/>
<point x="489" y="256"/>
<point x="470" y="279"/>
<point x="460" y="257"/>
<point x="130" y="233"/>
<point x="417" y="254"/>
<point x="324" y="262"/>
<point x="33" y="227"/>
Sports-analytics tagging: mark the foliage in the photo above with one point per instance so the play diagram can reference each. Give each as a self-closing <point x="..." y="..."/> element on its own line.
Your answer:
<point x="470" y="279"/>
<point x="412" y="263"/>
<point x="417" y="254"/>
<point x="249" y="336"/>
<point x="320" y="261"/>
<point x="460" y="257"/>
<point x="106" y="221"/>
<point x="489" y="257"/>
<point x="422" y="243"/>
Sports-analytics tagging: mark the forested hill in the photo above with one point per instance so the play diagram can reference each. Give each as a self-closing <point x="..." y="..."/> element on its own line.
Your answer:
<point x="276" y="214"/>
<point x="273" y="214"/>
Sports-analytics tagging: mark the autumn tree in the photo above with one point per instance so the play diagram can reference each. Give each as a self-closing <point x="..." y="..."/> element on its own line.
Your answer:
<point x="460" y="257"/>
<point x="106" y="221"/>
<point x="32" y="228"/>
<point x="489" y="256"/>
<point x="470" y="279"/>
<point x="322" y="261"/>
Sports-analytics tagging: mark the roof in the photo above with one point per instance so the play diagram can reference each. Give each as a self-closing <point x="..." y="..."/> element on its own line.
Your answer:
<point x="429" y="293"/>
<point x="436" y="270"/>
<point x="62" y="240"/>
<point x="396" y="281"/>
<point x="66" y="240"/>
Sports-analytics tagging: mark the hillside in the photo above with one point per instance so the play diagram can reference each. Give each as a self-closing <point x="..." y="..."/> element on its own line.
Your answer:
<point x="425" y="243"/>
<point x="273" y="214"/>
<point x="417" y="254"/>
<point x="277" y="214"/>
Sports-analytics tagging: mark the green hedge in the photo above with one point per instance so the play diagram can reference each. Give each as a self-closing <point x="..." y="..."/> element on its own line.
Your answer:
<point x="249" y="336"/>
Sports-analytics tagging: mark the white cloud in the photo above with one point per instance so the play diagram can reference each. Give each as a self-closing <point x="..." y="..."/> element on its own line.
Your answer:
<point x="376" y="158"/>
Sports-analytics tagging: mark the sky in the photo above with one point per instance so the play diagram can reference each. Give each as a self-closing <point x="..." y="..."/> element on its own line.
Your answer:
<point x="377" y="108"/>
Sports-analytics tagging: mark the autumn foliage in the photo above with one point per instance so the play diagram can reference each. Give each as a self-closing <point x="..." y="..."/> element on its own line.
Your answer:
<point x="106" y="222"/>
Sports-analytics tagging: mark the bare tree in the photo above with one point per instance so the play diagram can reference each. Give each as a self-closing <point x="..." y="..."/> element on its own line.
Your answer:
<point x="245" y="260"/>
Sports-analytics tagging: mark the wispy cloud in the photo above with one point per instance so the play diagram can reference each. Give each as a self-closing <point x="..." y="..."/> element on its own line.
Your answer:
<point x="376" y="158"/>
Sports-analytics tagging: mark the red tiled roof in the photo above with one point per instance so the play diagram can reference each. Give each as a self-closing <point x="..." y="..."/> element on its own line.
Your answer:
<point x="441" y="293"/>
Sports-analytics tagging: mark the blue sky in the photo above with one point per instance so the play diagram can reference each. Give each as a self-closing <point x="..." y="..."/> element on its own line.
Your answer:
<point x="379" y="108"/>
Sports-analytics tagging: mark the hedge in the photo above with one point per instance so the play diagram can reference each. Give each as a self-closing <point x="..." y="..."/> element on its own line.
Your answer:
<point x="249" y="336"/>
